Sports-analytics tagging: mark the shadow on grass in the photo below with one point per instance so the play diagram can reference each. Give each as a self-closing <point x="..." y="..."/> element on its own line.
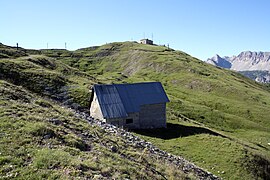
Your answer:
<point x="175" y="131"/>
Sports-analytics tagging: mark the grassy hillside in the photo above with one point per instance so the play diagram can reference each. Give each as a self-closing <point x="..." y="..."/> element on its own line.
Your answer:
<point x="217" y="118"/>
<point x="42" y="140"/>
<point x="201" y="95"/>
<point x="39" y="139"/>
<point x="47" y="77"/>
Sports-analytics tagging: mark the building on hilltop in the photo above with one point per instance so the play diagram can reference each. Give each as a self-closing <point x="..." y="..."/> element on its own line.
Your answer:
<point x="133" y="106"/>
<point x="146" y="41"/>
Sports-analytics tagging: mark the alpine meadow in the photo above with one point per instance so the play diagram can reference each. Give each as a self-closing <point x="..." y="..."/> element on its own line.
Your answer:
<point x="216" y="118"/>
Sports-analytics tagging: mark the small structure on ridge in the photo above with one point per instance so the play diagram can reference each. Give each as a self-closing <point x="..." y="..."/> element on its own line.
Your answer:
<point x="146" y="41"/>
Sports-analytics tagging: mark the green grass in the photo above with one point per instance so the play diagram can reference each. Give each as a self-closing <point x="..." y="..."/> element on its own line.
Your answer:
<point x="48" y="77"/>
<point x="219" y="154"/>
<point x="41" y="140"/>
<point x="216" y="98"/>
<point x="201" y="95"/>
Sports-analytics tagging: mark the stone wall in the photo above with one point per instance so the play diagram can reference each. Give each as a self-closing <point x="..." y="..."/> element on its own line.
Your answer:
<point x="153" y="116"/>
<point x="121" y="122"/>
<point x="150" y="116"/>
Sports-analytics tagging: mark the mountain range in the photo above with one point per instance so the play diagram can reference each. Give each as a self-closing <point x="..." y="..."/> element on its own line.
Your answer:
<point x="255" y="65"/>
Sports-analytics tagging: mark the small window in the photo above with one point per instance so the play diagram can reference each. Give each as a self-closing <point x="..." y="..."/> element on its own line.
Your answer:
<point x="129" y="121"/>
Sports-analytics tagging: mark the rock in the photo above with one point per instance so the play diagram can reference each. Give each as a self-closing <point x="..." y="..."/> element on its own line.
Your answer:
<point x="47" y="136"/>
<point x="98" y="177"/>
<point x="55" y="121"/>
<point x="114" y="149"/>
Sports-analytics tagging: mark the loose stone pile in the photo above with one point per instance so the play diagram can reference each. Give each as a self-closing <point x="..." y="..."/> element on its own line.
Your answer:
<point x="133" y="140"/>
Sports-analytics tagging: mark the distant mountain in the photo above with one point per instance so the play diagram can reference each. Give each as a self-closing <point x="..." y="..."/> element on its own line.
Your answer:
<point x="259" y="76"/>
<point x="219" y="61"/>
<point x="255" y="65"/>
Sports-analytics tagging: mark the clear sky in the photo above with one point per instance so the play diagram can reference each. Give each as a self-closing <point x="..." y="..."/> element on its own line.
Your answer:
<point x="202" y="28"/>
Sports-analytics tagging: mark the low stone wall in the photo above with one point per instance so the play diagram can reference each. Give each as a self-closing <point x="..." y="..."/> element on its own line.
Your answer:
<point x="153" y="116"/>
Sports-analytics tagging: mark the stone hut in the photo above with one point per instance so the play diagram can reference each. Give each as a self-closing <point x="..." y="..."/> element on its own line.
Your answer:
<point x="133" y="106"/>
<point x="146" y="41"/>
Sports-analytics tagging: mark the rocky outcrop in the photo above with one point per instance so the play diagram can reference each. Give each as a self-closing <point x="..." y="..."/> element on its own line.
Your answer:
<point x="259" y="76"/>
<point x="250" y="61"/>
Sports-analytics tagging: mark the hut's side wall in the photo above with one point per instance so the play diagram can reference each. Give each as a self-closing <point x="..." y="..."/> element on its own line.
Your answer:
<point x="153" y="116"/>
<point x="123" y="122"/>
<point x="95" y="110"/>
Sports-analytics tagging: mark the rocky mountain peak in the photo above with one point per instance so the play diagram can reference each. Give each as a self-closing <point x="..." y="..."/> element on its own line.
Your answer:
<point x="219" y="61"/>
<point x="217" y="56"/>
<point x="253" y="56"/>
<point x="245" y="61"/>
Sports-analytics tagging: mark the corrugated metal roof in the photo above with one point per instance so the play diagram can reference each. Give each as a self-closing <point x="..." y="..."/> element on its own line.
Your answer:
<point x="110" y="101"/>
<point x="117" y="100"/>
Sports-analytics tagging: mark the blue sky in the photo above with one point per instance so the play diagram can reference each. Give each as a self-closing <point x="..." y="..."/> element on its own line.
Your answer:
<point x="202" y="28"/>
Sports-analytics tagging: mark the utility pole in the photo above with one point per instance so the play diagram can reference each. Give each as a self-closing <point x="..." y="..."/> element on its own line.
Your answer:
<point x="17" y="46"/>
<point x="65" y="45"/>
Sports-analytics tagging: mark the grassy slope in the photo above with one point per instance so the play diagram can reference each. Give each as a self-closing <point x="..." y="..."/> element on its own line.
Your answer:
<point x="43" y="75"/>
<point x="40" y="139"/>
<point x="201" y="95"/>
